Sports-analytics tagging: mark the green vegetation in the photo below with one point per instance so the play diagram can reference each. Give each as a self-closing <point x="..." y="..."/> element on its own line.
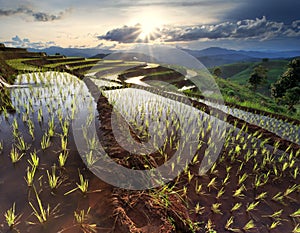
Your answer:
<point x="11" y="217"/>
<point x="19" y="65"/>
<point x="232" y="195"/>
<point x="287" y="87"/>
<point x="240" y="72"/>
<point x="237" y="90"/>
<point x="258" y="77"/>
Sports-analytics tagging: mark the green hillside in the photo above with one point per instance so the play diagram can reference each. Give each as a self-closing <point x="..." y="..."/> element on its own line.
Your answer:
<point x="240" y="72"/>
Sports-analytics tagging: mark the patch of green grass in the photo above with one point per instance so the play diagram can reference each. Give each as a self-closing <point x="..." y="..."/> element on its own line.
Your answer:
<point x="20" y="66"/>
<point x="71" y="62"/>
<point x="240" y="76"/>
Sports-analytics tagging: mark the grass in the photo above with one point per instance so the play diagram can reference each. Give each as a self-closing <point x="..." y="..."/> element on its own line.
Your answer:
<point x="70" y="63"/>
<point x="20" y="66"/>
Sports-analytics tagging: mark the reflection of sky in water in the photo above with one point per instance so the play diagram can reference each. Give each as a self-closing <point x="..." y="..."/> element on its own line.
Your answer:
<point x="56" y="93"/>
<point x="283" y="129"/>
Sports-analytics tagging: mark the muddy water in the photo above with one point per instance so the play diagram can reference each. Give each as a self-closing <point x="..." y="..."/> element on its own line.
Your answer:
<point x="48" y="96"/>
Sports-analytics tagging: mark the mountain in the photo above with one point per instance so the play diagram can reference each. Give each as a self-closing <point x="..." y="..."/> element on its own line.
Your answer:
<point x="213" y="51"/>
<point x="215" y="56"/>
<point x="72" y="52"/>
<point x="210" y="57"/>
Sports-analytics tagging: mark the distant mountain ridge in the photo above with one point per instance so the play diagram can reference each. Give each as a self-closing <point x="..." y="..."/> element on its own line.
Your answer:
<point x="210" y="57"/>
<point x="213" y="51"/>
<point x="72" y="52"/>
<point x="215" y="56"/>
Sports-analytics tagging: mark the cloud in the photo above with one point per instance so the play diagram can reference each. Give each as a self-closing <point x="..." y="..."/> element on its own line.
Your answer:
<point x="259" y="28"/>
<point x="36" y="15"/>
<point x="126" y="34"/>
<point x="26" y="43"/>
<point x="285" y="11"/>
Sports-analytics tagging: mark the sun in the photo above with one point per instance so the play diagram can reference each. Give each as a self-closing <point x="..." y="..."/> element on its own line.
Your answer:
<point x="149" y="24"/>
<point x="147" y="30"/>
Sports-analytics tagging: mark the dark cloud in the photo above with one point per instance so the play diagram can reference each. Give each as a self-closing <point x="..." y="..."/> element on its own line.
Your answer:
<point x="259" y="29"/>
<point x="203" y="3"/>
<point x="125" y="34"/>
<point x="26" y="43"/>
<point x="285" y="11"/>
<point x="37" y="16"/>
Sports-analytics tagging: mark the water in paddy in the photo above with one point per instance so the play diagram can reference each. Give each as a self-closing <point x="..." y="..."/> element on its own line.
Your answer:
<point x="45" y="98"/>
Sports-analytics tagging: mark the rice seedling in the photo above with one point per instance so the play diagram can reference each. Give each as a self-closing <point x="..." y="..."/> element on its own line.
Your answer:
<point x="40" y="213"/>
<point x="30" y="175"/>
<point x="238" y="192"/>
<point x="40" y="115"/>
<point x="261" y="180"/>
<point x="34" y="162"/>
<point x="249" y="225"/>
<point x="226" y="179"/>
<point x="261" y="196"/>
<point x="236" y="207"/>
<point x="229" y="222"/>
<point x="290" y="190"/>
<point x="22" y="145"/>
<point x="220" y="192"/>
<point x="15" y="126"/>
<point x="274" y="225"/>
<point x="53" y="180"/>
<point x="81" y="218"/>
<point x="62" y="158"/>
<point x="276" y="215"/>
<point x="198" y="189"/>
<point x="64" y="142"/>
<point x="1" y="147"/>
<point x="242" y="178"/>
<point x="215" y="208"/>
<point x="199" y="209"/>
<point x="251" y="206"/>
<point x="209" y="227"/>
<point x="296" y="229"/>
<point x="31" y="128"/>
<point x="91" y="159"/>
<point x="212" y="184"/>
<point x="278" y="197"/>
<point x="15" y="155"/>
<point x="296" y="214"/>
<point x="45" y="142"/>
<point x="5" y="113"/>
<point x="82" y="186"/>
<point x="51" y="127"/>
<point x="11" y="218"/>
<point x="65" y="128"/>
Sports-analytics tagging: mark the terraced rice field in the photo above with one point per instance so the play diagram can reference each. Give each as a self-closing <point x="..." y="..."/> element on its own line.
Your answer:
<point x="210" y="170"/>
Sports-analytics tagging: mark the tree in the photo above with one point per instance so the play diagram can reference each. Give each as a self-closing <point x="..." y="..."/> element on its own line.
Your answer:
<point x="292" y="97"/>
<point x="265" y="60"/>
<point x="258" y="77"/>
<point x="217" y="72"/>
<point x="288" y="80"/>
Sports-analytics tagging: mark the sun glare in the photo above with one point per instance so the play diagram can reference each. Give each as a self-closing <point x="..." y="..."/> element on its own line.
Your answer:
<point x="150" y="24"/>
<point x="146" y="30"/>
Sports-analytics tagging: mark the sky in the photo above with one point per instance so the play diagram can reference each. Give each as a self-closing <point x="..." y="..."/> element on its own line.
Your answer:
<point x="117" y="24"/>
